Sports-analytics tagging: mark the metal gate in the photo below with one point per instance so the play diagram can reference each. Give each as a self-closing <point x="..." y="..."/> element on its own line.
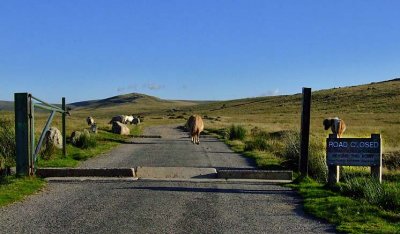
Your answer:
<point x="27" y="152"/>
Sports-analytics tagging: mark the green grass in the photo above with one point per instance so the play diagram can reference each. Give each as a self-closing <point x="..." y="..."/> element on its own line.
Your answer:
<point x="105" y="142"/>
<point x="14" y="189"/>
<point x="349" y="215"/>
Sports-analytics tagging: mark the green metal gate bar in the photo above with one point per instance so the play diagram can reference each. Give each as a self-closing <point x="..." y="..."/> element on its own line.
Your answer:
<point x="25" y="105"/>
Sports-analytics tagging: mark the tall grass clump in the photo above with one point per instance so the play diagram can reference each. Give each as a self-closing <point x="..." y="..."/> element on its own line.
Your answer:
<point x="7" y="146"/>
<point x="317" y="167"/>
<point x="48" y="151"/>
<point x="258" y="143"/>
<point x="262" y="141"/>
<point x="291" y="152"/>
<point x="84" y="140"/>
<point x="384" y="195"/>
<point x="237" y="132"/>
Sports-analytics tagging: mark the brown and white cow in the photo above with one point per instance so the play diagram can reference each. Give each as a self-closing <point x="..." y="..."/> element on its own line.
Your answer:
<point x="337" y="126"/>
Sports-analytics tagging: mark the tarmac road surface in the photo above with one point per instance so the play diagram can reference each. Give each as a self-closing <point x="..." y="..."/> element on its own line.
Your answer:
<point x="105" y="205"/>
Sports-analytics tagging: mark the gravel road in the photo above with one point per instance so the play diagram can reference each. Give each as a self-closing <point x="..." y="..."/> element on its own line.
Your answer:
<point x="146" y="206"/>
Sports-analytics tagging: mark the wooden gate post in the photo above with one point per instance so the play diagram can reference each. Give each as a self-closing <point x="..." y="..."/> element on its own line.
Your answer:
<point x="305" y="131"/>
<point x="22" y="138"/>
<point x="64" y="149"/>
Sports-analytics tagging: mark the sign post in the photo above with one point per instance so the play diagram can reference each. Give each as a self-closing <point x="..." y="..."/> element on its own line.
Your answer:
<point x="354" y="152"/>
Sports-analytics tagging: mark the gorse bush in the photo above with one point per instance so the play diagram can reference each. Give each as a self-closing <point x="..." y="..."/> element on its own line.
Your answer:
<point x="237" y="132"/>
<point x="7" y="144"/>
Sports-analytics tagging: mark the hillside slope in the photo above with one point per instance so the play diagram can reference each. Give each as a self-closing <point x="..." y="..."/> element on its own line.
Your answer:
<point x="6" y="106"/>
<point x="375" y="97"/>
<point x="370" y="108"/>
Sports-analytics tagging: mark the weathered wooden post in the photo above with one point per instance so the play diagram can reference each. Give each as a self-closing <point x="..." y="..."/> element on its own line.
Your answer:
<point x="305" y="131"/>
<point x="376" y="169"/>
<point x="64" y="128"/>
<point x="22" y="138"/>
<point x="333" y="170"/>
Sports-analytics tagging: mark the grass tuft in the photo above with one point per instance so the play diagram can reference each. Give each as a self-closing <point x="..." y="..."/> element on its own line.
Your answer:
<point x="237" y="132"/>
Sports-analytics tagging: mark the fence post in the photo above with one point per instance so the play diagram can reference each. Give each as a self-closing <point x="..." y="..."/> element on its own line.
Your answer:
<point x="22" y="139"/>
<point x="64" y="128"/>
<point x="305" y="131"/>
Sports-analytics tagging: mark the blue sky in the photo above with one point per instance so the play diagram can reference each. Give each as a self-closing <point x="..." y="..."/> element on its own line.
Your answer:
<point x="199" y="50"/>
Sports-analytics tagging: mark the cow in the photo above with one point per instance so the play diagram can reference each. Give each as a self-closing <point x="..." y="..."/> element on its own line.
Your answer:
<point x="90" y="120"/>
<point x="119" y="118"/>
<point x="135" y="121"/>
<point x="196" y="126"/>
<point x="132" y="120"/>
<point x="337" y="126"/>
<point x="129" y="119"/>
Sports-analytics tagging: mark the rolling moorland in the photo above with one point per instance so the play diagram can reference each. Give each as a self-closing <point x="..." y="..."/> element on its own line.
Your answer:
<point x="366" y="109"/>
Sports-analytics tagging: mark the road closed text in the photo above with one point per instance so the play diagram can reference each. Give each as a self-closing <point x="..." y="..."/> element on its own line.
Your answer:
<point x="353" y="144"/>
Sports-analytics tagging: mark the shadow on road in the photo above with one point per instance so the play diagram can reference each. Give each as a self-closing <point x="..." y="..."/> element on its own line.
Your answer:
<point x="213" y="190"/>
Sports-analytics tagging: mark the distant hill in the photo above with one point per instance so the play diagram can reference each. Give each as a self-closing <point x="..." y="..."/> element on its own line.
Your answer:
<point x="377" y="97"/>
<point x="6" y="106"/>
<point x="116" y="100"/>
<point x="360" y="98"/>
<point x="127" y="101"/>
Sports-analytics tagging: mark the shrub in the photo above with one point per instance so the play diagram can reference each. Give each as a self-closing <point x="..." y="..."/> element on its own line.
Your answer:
<point x="83" y="139"/>
<point x="237" y="132"/>
<point x="7" y="144"/>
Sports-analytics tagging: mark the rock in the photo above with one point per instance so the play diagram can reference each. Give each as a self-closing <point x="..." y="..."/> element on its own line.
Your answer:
<point x="120" y="128"/>
<point x="53" y="137"/>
